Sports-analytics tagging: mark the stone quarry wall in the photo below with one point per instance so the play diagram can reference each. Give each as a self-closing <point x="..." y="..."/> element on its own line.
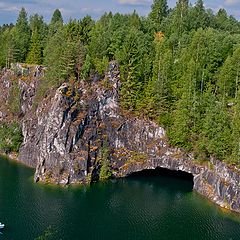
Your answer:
<point x="65" y="137"/>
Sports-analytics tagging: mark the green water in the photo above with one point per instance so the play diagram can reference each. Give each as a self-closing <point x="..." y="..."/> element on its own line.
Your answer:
<point x="141" y="208"/>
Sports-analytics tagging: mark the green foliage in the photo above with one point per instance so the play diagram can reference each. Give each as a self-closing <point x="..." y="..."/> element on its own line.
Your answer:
<point x="160" y="92"/>
<point x="159" y="12"/>
<point x="57" y="17"/>
<point x="216" y="128"/>
<point x="87" y="66"/>
<point x="39" y="31"/>
<point x="180" y="67"/>
<point x="22" y="36"/>
<point x="199" y="16"/>
<point x="53" y="58"/>
<point x="235" y="126"/>
<point x="101" y="65"/>
<point x="86" y="25"/>
<point x="230" y="76"/>
<point x="35" y="52"/>
<point x="7" y="48"/>
<point x="100" y="38"/>
<point x="64" y="55"/>
<point x="134" y="62"/>
<point x="37" y="24"/>
<point x="56" y="23"/>
<point x="14" y="98"/>
<point x="105" y="170"/>
<point x="10" y="137"/>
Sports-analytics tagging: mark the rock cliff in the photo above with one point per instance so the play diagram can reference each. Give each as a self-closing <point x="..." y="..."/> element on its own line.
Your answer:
<point x="79" y="130"/>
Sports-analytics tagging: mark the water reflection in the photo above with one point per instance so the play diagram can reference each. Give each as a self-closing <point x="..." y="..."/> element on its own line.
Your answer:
<point x="141" y="207"/>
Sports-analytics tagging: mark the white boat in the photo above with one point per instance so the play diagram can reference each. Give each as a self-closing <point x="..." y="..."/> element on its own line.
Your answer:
<point x="2" y="225"/>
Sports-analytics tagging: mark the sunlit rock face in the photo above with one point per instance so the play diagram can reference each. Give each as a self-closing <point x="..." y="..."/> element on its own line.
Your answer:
<point x="66" y="134"/>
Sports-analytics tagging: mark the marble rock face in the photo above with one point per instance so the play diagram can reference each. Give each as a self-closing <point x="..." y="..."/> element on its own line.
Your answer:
<point x="65" y="135"/>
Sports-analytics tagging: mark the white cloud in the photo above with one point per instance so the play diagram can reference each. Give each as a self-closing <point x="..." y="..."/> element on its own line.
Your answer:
<point x="8" y="7"/>
<point x="135" y="2"/>
<point x="232" y="2"/>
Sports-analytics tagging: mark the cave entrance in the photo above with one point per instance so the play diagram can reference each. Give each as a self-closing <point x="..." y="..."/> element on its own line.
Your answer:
<point x="177" y="179"/>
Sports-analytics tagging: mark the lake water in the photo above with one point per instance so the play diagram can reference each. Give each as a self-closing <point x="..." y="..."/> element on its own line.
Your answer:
<point x="137" y="208"/>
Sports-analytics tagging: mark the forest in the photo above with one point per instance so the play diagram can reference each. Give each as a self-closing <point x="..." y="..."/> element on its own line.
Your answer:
<point x="179" y="67"/>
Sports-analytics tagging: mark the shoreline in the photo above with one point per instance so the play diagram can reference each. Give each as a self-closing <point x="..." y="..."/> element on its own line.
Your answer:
<point x="14" y="158"/>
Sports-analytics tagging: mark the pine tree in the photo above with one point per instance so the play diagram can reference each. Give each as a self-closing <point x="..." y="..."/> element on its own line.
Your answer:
<point x="178" y="24"/>
<point x="7" y="48"/>
<point x="68" y="60"/>
<point x="159" y="12"/>
<point x="22" y="36"/>
<point x="182" y="10"/>
<point x="236" y="132"/>
<point x="221" y="19"/>
<point x="216" y="126"/>
<point x="53" y="56"/>
<point x="56" y="22"/>
<point x="35" y="52"/>
<point x="199" y="5"/>
<point x="131" y="59"/>
<point x="230" y="76"/>
<point x="38" y="25"/>
<point x="180" y="130"/>
<point x="56" y="17"/>
<point x="86" y="25"/>
<point x="161" y="79"/>
<point x="100" y="38"/>
<point x="198" y="15"/>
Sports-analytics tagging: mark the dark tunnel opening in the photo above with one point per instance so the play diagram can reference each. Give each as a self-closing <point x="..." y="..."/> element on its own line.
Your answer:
<point x="166" y="173"/>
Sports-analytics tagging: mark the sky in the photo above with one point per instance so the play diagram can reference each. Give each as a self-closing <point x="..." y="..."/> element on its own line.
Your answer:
<point x="79" y="8"/>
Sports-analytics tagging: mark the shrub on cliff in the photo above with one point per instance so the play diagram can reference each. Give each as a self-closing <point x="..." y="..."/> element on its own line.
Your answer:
<point x="105" y="170"/>
<point x="10" y="137"/>
<point x="14" y="98"/>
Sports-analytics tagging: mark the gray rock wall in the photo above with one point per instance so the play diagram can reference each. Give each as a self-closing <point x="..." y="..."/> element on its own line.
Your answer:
<point x="64" y="140"/>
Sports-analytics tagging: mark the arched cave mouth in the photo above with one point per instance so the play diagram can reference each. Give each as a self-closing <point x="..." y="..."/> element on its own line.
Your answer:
<point x="171" y="175"/>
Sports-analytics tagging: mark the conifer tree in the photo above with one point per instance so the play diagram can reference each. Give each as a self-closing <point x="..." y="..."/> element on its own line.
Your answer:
<point x="198" y="16"/>
<point x="131" y="59"/>
<point x="216" y="126"/>
<point x="56" y="17"/>
<point x="56" y="22"/>
<point x="38" y="25"/>
<point x="161" y="78"/>
<point x="7" y="48"/>
<point x="52" y="57"/>
<point x="230" y="76"/>
<point x="159" y="12"/>
<point x="236" y="131"/>
<point x="86" y="25"/>
<point x="182" y="11"/>
<point x="22" y="36"/>
<point x="35" y="52"/>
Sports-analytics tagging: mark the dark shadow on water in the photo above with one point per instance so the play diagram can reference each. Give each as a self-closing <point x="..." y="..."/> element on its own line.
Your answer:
<point x="166" y="174"/>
